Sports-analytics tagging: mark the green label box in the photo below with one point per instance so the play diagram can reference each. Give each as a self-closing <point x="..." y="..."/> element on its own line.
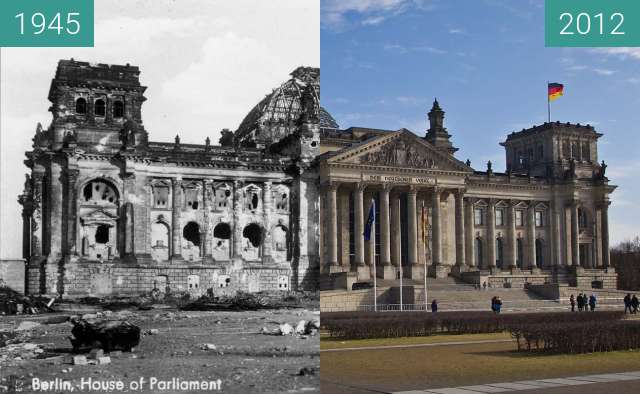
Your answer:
<point x="46" y="23"/>
<point x="592" y="23"/>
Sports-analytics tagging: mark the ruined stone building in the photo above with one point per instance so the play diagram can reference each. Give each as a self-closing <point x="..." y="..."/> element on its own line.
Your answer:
<point x="545" y="220"/>
<point x="108" y="211"/>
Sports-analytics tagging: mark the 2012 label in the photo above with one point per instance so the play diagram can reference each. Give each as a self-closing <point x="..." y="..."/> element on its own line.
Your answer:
<point x="581" y="24"/>
<point x="39" y="23"/>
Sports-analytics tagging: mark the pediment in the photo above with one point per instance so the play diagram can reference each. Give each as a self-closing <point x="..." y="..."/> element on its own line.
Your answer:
<point x="401" y="149"/>
<point x="99" y="216"/>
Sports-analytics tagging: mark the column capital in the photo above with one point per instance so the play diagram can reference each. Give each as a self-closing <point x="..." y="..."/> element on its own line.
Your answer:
<point x="332" y="185"/>
<point x="176" y="181"/>
<point x="360" y="186"/>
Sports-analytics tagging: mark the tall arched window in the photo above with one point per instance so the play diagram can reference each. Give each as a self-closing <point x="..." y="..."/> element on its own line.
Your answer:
<point x="519" y="253"/>
<point x="118" y="109"/>
<point x="499" y="253"/>
<point x="539" y="253"/>
<point x="81" y="106"/>
<point x="479" y="253"/>
<point x="100" y="108"/>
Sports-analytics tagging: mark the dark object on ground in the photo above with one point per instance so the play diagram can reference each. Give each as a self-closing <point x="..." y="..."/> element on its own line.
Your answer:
<point x="239" y="302"/>
<point x="305" y="371"/>
<point x="361" y="286"/>
<point x="103" y="334"/>
<point x="12" y="302"/>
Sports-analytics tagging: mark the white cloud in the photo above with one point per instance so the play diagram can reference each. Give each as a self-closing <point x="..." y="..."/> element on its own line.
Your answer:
<point x="603" y="71"/>
<point x="374" y="20"/>
<point x="456" y="31"/>
<point x="623" y="52"/>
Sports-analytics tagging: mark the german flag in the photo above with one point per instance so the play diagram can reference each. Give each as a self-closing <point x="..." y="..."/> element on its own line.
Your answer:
<point x="555" y="91"/>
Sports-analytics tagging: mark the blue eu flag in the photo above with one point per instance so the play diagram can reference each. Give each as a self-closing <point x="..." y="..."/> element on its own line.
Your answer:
<point x="371" y="219"/>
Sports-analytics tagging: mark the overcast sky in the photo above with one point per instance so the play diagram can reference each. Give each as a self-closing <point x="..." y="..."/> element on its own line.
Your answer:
<point x="383" y="62"/>
<point x="206" y="64"/>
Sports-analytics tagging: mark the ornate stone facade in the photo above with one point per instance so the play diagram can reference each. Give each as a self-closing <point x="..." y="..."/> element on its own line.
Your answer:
<point x="106" y="211"/>
<point x="545" y="220"/>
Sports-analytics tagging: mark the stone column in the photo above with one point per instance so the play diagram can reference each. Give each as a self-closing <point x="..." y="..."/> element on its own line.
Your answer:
<point x="531" y="234"/>
<point x="266" y="222"/>
<point x="436" y="242"/>
<point x="385" y="236"/>
<point x="460" y="244"/>
<point x="396" y="233"/>
<point x="370" y="246"/>
<point x="332" y="225"/>
<point x="343" y="197"/>
<point x="205" y="237"/>
<point x="513" y="247"/>
<point x="469" y="238"/>
<point x="575" y="234"/>
<point x="176" y="228"/>
<point x="358" y="216"/>
<point x="72" y="178"/>
<point x="491" y="235"/>
<point x="237" y="230"/>
<point x="412" y="253"/>
<point x="605" y="235"/>
<point x="556" y="237"/>
<point x="36" y="215"/>
<point x="598" y="236"/>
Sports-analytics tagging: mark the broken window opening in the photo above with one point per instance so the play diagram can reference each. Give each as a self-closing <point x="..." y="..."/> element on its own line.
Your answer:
<point x="191" y="232"/>
<point x="99" y="192"/>
<point x="101" y="108"/>
<point x="253" y="233"/>
<point x="81" y="106"/>
<point x="222" y="231"/>
<point x="160" y="196"/>
<point x="102" y="234"/>
<point x="254" y="201"/>
<point x="118" y="109"/>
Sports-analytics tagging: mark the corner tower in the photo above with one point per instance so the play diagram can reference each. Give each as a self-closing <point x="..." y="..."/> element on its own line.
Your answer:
<point x="437" y="134"/>
<point x="95" y="105"/>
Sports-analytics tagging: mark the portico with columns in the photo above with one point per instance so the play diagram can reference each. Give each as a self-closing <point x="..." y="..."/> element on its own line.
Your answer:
<point x="436" y="213"/>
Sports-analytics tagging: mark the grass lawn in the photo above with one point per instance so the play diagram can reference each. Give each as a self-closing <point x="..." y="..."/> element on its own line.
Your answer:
<point x="333" y="343"/>
<point x="456" y="365"/>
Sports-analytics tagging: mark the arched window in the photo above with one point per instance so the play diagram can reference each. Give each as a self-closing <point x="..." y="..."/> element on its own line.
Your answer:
<point x="499" y="253"/>
<point x="253" y="233"/>
<point x="519" y="253"/>
<point x="222" y="231"/>
<point x="81" y="106"/>
<point x="118" y="109"/>
<point x="191" y="232"/>
<point x="100" y="192"/>
<point x="539" y="253"/>
<point x="100" y="108"/>
<point x="479" y="253"/>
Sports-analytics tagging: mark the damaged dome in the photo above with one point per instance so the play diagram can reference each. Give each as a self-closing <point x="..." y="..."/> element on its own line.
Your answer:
<point x="276" y="116"/>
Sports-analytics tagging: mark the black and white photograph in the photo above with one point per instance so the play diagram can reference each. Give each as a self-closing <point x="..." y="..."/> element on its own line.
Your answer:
<point x="160" y="200"/>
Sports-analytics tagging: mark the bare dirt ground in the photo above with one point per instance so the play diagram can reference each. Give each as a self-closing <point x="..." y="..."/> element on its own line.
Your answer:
<point x="245" y="360"/>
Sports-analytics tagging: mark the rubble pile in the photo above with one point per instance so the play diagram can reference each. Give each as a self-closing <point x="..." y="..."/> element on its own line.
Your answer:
<point x="14" y="303"/>
<point x="239" y="302"/>
<point x="302" y="328"/>
<point x="103" y="334"/>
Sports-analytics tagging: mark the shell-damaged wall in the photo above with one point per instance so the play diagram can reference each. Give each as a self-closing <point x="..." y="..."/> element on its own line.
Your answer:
<point x="109" y="212"/>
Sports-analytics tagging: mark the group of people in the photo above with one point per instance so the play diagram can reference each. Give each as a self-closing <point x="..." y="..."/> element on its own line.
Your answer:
<point x="496" y="304"/>
<point x="631" y="304"/>
<point x="584" y="302"/>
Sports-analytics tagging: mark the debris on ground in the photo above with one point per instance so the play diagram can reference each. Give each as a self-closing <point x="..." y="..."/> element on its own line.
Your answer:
<point x="239" y="302"/>
<point x="303" y="328"/>
<point x="105" y="334"/>
<point x="306" y="371"/>
<point x="14" y="303"/>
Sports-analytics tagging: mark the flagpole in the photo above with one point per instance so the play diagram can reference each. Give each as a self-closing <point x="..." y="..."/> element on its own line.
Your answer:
<point x="548" y="103"/>
<point x="401" y="275"/>
<point x="373" y="240"/>
<point x="424" y="242"/>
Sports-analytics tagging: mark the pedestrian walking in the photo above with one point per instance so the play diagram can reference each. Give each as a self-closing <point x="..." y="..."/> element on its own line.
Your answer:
<point x="572" y="301"/>
<point x="496" y="305"/>
<point x="434" y="306"/>
<point x="592" y="302"/>
<point x="634" y="304"/>
<point x="627" y="303"/>
<point x="580" y="302"/>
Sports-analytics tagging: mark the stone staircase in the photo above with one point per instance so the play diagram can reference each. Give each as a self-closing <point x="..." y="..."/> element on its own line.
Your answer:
<point x="454" y="295"/>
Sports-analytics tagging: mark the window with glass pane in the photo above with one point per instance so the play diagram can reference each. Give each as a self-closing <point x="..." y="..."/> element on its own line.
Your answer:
<point x="499" y="217"/>
<point x="478" y="217"/>
<point x="539" y="222"/>
<point x="519" y="218"/>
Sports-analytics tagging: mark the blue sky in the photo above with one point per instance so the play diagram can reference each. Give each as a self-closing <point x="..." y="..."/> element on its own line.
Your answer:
<point x="383" y="62"/>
